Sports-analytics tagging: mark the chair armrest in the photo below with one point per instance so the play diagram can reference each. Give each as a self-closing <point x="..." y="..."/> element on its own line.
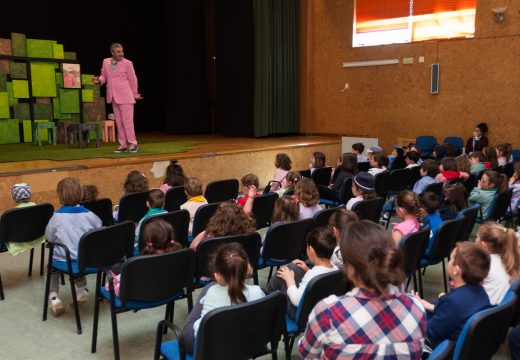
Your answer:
<point x="178" y="335"/>
<point x="67" y="253"/>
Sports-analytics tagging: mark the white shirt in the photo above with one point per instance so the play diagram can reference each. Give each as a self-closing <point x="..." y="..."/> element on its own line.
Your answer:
<point x="409" y="166"/>
<point x="295" y="293"/>
<point x="336" y="259"/>
<point x="308" y="212"/>
<point x="353" y="200"/>
<point x="496" y="283"/>
<point x="192" y="207"/>
<point x="374" y="171"/>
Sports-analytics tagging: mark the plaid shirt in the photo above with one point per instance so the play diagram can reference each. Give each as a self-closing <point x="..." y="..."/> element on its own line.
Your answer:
<point x="362" y="325"/>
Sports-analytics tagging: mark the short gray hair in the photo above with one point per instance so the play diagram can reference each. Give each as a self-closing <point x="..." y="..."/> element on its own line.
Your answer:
<point x="115" y="45"/>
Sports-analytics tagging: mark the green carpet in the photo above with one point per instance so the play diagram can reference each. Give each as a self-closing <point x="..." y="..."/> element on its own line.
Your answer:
<point x="26" y="151"/>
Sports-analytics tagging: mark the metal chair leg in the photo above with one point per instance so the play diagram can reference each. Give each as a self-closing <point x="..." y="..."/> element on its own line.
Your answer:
<point x="97" y="300"/>
<point x="115" y="337"/>
<point x="31" y="256"/>
<point x="75" y="303"/>
<point x="1" y="289"/>
<point x="444" y="277"/>
<point x="42" y="258"/>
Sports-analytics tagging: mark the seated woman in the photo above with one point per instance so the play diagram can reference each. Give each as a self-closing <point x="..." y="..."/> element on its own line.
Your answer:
<point x="338" y="326"/>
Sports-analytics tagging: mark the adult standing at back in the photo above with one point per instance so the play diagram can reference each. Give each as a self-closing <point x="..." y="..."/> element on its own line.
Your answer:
<point x="479" y="139"/>
<point x="119" y="75"/>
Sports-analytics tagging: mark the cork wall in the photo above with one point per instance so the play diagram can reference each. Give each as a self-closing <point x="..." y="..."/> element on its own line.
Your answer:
<point x="479" y="79"/>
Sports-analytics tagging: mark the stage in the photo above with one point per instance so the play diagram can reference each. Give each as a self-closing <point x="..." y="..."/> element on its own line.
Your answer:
<point x="209" y="157"/>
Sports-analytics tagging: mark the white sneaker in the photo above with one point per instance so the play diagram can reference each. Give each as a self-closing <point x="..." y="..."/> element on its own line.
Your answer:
<point x="82" y="295"/>
<point x="56" y="305"/>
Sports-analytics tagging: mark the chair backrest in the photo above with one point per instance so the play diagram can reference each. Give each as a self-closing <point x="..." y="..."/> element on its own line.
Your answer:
<point x="500" y="206"/>
<point x="515" y="286"/>
<point x="457" y="141"/>
<point x="179" y="220"/>
<point x="508" y="169"/>
<point x="102" y="208"/>
<point x="398" y="180"/>
<point x="515" y="154"/>
<point x="106" y="246"/>
<point x="413" y="248"/>
<point x="442" y="351"/>
<point x="363" y="166"/>
<point x="221" y="190"/>
<point x="263" y="207"/>
<point x="175" y="197"/>
<point x="470" y="182"/>
<point x="470" y="218"/>
<point x="321" y="286"/>
<point x="415" y="175"/>
<point x="25" y="224"/>
<point x="202" y="216"/>
<point x="426" y="143"/>
<point x="445" y="239"/>
<point x="381" y="183"/>
<point x="321" y="218"/>
<point x="241" y="331"/>
<point x="345" y="193"/>
<point x="369" y="209"/>
<point x="481" y="336"/>
<point x="133" y="207"/>
<point x="289" y="192"/>
<point x="207" y="248"/>
<point x="306" y="173"/>
<point x="150" y="278"/>
<point x="286" y="241"/>
<point x="321" y="176"/>
<point x="435" y="188"/>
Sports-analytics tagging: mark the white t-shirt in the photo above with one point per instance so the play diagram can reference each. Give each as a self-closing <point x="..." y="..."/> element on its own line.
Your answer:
<point x="353" y="200"/>
<point x="217" y="297"/>
<point x="336" y="259"/>
<point x="308" y="212"/>
<point x="374" y="171"/>
<point x="496" y="283"/>
<point x="295" y="293"/>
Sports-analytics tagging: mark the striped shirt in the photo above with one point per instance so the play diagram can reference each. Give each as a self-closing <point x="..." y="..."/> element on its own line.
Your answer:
<point x="363" y="325"/>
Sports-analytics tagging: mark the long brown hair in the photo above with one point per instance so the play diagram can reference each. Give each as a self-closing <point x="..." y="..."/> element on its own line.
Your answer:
<point x="231" y="262"/>
<point x="409" y="201"/>
<point x="463" y="164"/>
<point x="285" y="209"/>
<point x="307" y="193"/>
<point x="502" y="241"/>
<point x="490" y="152"/>
<point x="348" y="163"/>
<point x="455" y="195"/>
<point x="341" y="217"/>
<point x="135" y="182"/>
<point x="230" y="219"/>
<point x="158" y="237"/>
<point x="174" y="174"/>
<point x="498" y="180"/>
<point x="370" y="252"/>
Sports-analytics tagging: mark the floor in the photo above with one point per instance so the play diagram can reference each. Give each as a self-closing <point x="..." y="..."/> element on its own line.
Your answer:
<point x="25" y="336"/>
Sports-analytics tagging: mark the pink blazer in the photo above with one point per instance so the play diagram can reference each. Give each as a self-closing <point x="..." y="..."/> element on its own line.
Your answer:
<point x="121" y="83"/>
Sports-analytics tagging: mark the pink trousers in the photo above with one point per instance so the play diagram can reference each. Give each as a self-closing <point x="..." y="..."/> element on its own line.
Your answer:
<point x="124" y="114"/>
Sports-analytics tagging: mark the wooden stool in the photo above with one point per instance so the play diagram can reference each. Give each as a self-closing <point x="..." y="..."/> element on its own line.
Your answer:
<point x="36" y="134"/>
<point x="108" y="131"/>
<point x="82" y="131"/>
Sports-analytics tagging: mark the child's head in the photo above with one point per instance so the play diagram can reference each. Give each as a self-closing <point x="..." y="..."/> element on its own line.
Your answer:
<point x="503" y="150"/>
<point x="364" y="184"/>
<point x="448" y="164"/>
<point x="463" y="164"/>
<point x="450" y="149"/>
<point x="155" y="199"/>
<point x="440" y="151"/>
<point x="318" y="159"/>
<point x="493" y="179"/>
<point x="249" y="180"/>
<point x="158" y="237"/>
<point x="135" y="182"/>
<point x="358" y="148"/>
<point x="348" y="163"/>
<point x="490" y="153"/>
<point x="378" y="160"/>
<point x="230" y="267"/>
<point x="414" y="147"/>
<point x="193" y="187"/>
<point x="174" y="174"/>
<point x="339" y="219"/>
<point x="480" y="129"/>
<point x="411" y="157"/>
<point x="285" y="209"/>
<point x="397" y="150"/>
<point x="430" y="168"/>
<point x="429" y="202"/>
<point x="90" y="193"/>
<point x="21" y="192"/>
<point x="230" y="219"/>
<point x="292" y="178"/>
<point x="307" y="193"/>
<point x="476" y="157"/>
<point x="407" y="204"/>
<point x="283" y="161"/>
<point x="370" y="256"/>
<point x="455" y="195"/>
<point x="497" y="239"/>
<point x="321" y="243"/>
<point x="70" y="192"/>
<point x="468" y="263"/>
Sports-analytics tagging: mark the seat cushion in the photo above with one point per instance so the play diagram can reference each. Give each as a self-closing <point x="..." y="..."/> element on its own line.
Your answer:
<point x="170" y="350"/>
<point x="140" y="304"/>
<point x="62" y="266"/>
<point x="292" y="327"/>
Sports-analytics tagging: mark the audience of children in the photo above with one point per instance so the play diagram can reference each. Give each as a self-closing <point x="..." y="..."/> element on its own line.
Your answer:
<point x="490" y="155"/>
<point x="407" y="208"/>
<point x="90" y="193"/>
<point x="479" y="139"/>
<point x="67" y="226"/>
<point x="396" y="159"/>
<point x="174" y="176"/>
<point x="285" y="210"/>
<point x="514" y="184"/>
<point x="448" y="171"/>
<point x="283" y="165"/>
<point x="488" y="186"/>
<point x="250" y="185"/>
<point x="155" y="203"/>
<point x="373" y="320"/>
<point x="337" y="222"/>
<point x="430" y="206"/>
<point x="476" y="160"/>
<point x="363" y="188"/>
<point x="429" y="170"/>
<point x="378" y="162"/>
<point x="347" y="168"/>
<point x="417" y="149"/>
<point x="291" y="179"/>
<point x="358" y="149"/>
<point x="411" y="159"/>
<point x="193" y="189"/>
<point x="455" y="200"/>
<point x="317" y="161"/>
<point x="308" y="198"/>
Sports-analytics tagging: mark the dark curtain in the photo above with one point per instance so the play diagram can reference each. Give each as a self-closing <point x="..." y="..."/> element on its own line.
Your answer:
<point x="276" y="92"/>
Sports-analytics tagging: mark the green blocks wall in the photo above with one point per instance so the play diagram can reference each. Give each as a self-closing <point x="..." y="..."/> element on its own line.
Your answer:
<point x="40" y="48"/>
<point x="21" y="111"/>
<point x="69" y="101"/>
<point x="27" y="131"/>
<point x="9" y="131"/>
<point x="4" y="105"/>
<point x="57" y="50"/>
<point x="18" y="70"/>
<point x="19" y="44"/>
<point x="43" y="79"/>
<point x="21" y="89"/>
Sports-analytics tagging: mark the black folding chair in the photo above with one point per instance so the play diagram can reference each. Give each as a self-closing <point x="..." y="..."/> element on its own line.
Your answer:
<point x="508" y="169"/>
<point x="146" y="282"/>
<point x="221" y="190"/>
<point x="23" y="225"/>
<point x="102" y="208"/>
<point x="381" y="184"/>
<point x="415" y="175"/>
<point x="263" y="207"/>
<point x="179" y="220"/>
<point x="369" y="209"/>
<point x="471" y="182"/>
<point x="321" y="218"/>
<point x="412" y="248"/>
<point x="501" y="207"/>
<point x="202" y="216"/>
<point x="306" y="173"/>
<point x="97" y="249"/>
<point x="363" y="166"/>
<point x="470" y="218"/>
<point x="133" y="207"/>
<point x="234" y="332"/>
<point x="345" y="194"/>
<point x="435" y="188"/>
<point x="398" y="180"/>
<point x="175" y="197"/>
<point x="321" y="176"/>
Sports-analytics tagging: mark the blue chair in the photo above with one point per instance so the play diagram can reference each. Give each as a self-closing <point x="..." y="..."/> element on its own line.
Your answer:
<point x="426" y="143"/>
<point x="321" y="218"/>
<point x="345" y="194"/>
<point x="234" y="332"/>
<point x="457" y="141"/>
<point x="516" y="154"/>
<point x="469" y="215"/>
<point x="442" y="351"/>
<point x="485" y="331"/>
<point x="412" y="248"/>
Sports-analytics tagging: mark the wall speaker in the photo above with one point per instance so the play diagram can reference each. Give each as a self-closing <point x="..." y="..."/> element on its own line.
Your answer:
<point x="435" y="79"/>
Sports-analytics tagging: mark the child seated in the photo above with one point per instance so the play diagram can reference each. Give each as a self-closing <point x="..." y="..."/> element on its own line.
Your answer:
<point x="408" y="209"/>
<point x="488" y="186"/>
<point x="67" y="226"/>
<point x="455" y="200"/>
<point x="317" y="161"/>
<point x="193" y="190"/>
<point x="490" y="157"/>
<point x="337" y="222"/>
<point x="285" y="210"/>
<point x="467" y="268"/>
<point x="320" y="247"/>
<point x="502" y="154"/>
<point x="429" y="170"/>
<point x="155" y="203"/>
<point x="291" y="179"/>
<point x="135" y="182"/>
<point x="362" y="189"/>
<point x="308" y="198"/>
<point x="514" y="184"/>
<point x="357" y="149"/>
<point x="476" y="160"/>
<point x="411" y="158"/>
<point x="250" y="185"/>
<point x="90" y="193"/>
<point x="396" y="158"/>
<point x="174" y="176"/>
<point x="449" y="171"/>
<point x="283" y="165"/>
<point x="430" y="206"/>
<point x="378" y="162"/>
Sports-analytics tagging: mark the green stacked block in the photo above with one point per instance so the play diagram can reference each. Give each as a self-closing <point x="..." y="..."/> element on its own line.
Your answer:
<point x="75" y="117"/>
<point x="86" y="79"/>
<point x="43" y="111"/>
<point x="18" y="70"/>
<point x="21" y="89"/>
<point x="37" y="48"/>
<point x="57" y="50"/>
<point x="69" y="55"/>
<point x="21" y="111"/>
<point x="4" y="105"/>
<point x="97" y="91"/>
<point x="3" y="82"/>
<point x="59" y="80"/>
<point x="27" y="131"/>
<point x="19" y="44"/>
<point x="5" y="47"/>
<point x="69" y="101"/>
<point x="87" y="95"/>
<point x="9" y="131"/>
<point x="43" y="79"/>
<point x="12" y="100"/>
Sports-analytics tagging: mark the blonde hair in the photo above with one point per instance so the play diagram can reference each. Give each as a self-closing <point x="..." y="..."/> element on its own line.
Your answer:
<point x="502" y="241"/>
<point x="193" y="186"/>
<point x="70" y="191"/>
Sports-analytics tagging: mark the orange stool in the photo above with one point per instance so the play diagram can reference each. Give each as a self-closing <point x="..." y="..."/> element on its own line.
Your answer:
<point x="108" y="131"/>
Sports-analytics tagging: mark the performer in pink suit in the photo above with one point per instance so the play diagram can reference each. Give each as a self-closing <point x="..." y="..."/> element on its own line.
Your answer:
<point x="119" y="75"/>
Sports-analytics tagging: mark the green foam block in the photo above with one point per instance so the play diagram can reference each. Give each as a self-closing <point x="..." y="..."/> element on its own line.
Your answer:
<point x="69" y="101"/>
<point x="4" y="105"/>
<point x="43" y="111"/>
<point x="57" y="50"/>
<point x="43" y="80"/>
<point x="12" y="100"/>
<point x="87" y="95"/>
<point x="69" y="55"/>
<point x="21" y="89"/>
<point x="86" y="79"/>
<point x="18" y="70"/>
<point x="27" y="131"/>
<point x="9" y="131"/>
<point x="37" y="48"/>
<point x="19" y="44"/>
<point x="21" y="111"/>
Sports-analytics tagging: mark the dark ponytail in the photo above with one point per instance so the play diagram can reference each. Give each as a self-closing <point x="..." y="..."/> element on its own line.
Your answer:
<point x="158" y="237"/>
<point x="409" y="201"/>
<point x="232" y="263"/>
<point x="498" y="180"/>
